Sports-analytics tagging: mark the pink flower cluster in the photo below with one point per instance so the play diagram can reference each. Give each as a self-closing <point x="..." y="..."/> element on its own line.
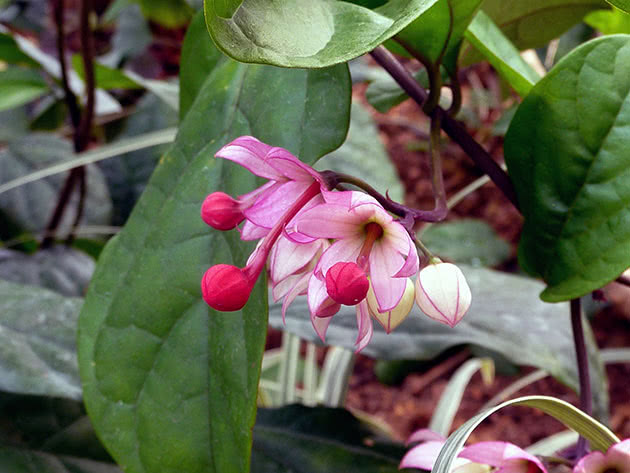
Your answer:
<point x="335" y="247"/>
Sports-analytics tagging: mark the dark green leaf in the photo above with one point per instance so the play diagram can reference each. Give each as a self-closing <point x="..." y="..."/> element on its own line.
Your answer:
<point x="37" y="342"/>
<point x="532" y="23"/>
<point x="14" y="460"/>
<point x="303" y="33"/>
<point x="32" y="204"/>
<point x="50" y="113"/>
<point x="505" y="316"/>
<point x="613" y="21"/>
<point x="363" y="155"/>
<point x="312" y="440"/>
<point x="20" y="86"/>
<point x="488" y="39"/>
<point x="144" y="319"/>
<point x="128" y="174"/>
<point x="60" y="269"/>
<point x="621" y="4"/>
<point x="567" y="153"/>
<point x="437" y="34"/>
<point x="11" y="53"/>
<point x="467" y="241"/>
<point x="106" y="77"/>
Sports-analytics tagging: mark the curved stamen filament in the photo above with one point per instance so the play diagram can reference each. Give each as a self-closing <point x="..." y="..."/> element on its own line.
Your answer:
<point x="373" y="231"/>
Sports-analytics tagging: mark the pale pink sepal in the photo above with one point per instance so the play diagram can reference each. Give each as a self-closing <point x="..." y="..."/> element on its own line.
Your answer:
<point x="319" y="302"/>
<point x="423" y="456"/>
<point x="366" y="329"/>
<point x="300" y="286"/>
<point x="506" y="456"/>
<point x="250" y="153"/>
<point x="288" y="257"/>
<point x="425" y="435"/>
<point x="617" y="459"/>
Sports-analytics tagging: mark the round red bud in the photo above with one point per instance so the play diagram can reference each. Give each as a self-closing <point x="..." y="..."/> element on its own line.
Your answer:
<point x="346" y="283"/>
<point x="225" y="287"/>
<point x="221" y="211"/>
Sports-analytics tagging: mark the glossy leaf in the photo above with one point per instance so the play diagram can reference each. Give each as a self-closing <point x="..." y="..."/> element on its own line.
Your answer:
<point x="20" y="86"/>
<point x="510" y="321"/>
<point x="363" y="155"/>
<point x="612" y="21"/>
<point x="299" y="438"/>
<point x="488" y="39"/>
<point x="437" y="34"/>
<point x="60" y="269"/>
<point x="148" y="344"/>
<point x="385" y="93"/>
<point x="37" y="342"/>
<point x="303" y="33"/>
<point x="533" y="23"/>
<point x="621" y="4"/>
<point x="598" y="435"/>
<point x="467" y="241"/>
<point x="31" y="205"/>
<point x="567" y="153"/>
<point x="27" y="461"/>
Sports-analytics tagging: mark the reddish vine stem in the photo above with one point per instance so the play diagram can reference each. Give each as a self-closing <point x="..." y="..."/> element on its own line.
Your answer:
<point x="81" y="122"/>
<point x="452" y="127"/>
<point x="586" y="397"/>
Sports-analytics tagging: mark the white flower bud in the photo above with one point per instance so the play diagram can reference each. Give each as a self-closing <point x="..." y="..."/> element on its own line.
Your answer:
<point x="443" y="293"/>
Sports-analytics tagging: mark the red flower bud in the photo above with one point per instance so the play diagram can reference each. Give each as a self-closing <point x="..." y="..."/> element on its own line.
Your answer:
<point x="221" y="211"/>
<point x="225" y="287"/>
<point x="346" y="283"/>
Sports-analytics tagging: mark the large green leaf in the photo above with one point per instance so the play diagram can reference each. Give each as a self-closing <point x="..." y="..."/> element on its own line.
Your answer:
<point x="31" y="205"/>
<point x="304" y="33"/>
<point x="439" y="31"/>
<point x="11" y="53"/>
<point x="20" y="86"/>
<point x="532" y="23"/>
<point x="490" y="41"/>
<point x="621" y="4"/>
<point x="170" y="13"/>
<point x="567" y="153"/>
<point x="37" y="342"/>
<point x="170" y="384"/>
<point x="505" y="316"/>
<point x="313" y="440"/>
<point x="363" y="155"/>
<point x="61" y="269"/>
<point x="598" y="435"/>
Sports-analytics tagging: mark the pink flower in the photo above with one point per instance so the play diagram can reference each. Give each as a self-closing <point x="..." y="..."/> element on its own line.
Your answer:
<point x="367" y="236"/>
<point x="615" y="460"/>
<point x="269" y="210"/>
<point x="288" y="180"/>
<point x="442" y="293"/>
<point x="504" y="456"/>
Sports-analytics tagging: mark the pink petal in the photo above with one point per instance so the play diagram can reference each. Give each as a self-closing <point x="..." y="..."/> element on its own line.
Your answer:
<point x="300" y="286"/>
<point x="249" y="198"/>
<point x="270" y="207"/>
<point x="422" y="456"/>
<point x="412" y="263"/>
<point x="502" y="454"/>
<point x="342" y="250"/>
<point x="425" y="435"/>
<point x="291" y="167"/>
<point x="320" y="324"/>
<point x="329" y="221"/>
<point x="364" y="321"/>
<point x="385" y="262"/>
<point x="251" y="231"/>
<point x="251" y="154"/>
<point x="319" y="302"/>
<point x="287" y="257"/>
<point x="617" y="458"/>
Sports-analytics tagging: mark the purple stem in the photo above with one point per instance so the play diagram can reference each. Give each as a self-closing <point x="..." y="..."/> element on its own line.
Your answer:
<point x="586" y="397"/>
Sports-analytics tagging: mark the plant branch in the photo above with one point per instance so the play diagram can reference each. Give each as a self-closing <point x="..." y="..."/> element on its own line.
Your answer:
<point x="586" y="398"/>
<point x="70" y="98"/>
<point x="452" y="127"/>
